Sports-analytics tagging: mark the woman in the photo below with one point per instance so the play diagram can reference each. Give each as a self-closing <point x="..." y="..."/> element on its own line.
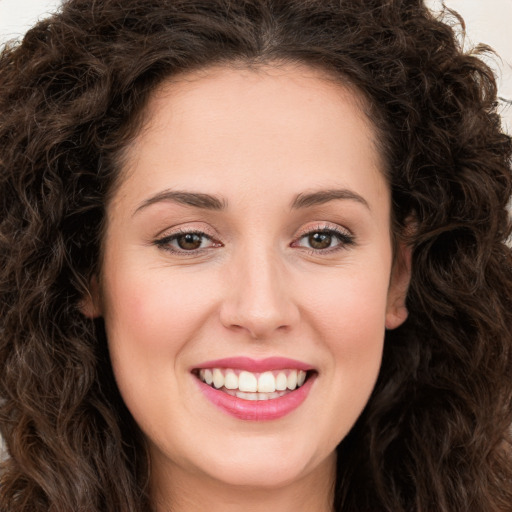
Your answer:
<point x="253" y="258"/>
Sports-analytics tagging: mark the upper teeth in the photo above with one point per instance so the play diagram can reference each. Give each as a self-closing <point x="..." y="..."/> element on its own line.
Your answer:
<point x="266" y="382"/>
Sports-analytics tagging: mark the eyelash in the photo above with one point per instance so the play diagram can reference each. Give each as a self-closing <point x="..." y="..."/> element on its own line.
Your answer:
<point x="166" y="241"/>
<point x="345" y="240"/>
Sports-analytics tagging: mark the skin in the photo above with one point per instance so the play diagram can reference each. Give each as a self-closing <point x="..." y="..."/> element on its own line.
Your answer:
<point x="256" y="140"/>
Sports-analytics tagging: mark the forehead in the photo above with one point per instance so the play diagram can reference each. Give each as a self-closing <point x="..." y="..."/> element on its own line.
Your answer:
<point x="209" y="127"/>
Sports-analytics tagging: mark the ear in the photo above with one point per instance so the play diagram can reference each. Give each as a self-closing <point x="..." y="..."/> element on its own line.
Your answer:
<point x="396" y="310"/>
<point x="91" y="305"/>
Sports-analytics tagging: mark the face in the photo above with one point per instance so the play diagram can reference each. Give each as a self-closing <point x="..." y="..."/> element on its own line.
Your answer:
<point x="249" y="242"/>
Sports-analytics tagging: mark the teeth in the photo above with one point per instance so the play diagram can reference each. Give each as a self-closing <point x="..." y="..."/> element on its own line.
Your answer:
<point x="208" y="376"/>
<point x="247" y="382"/>
<point x="231" y="380"/>
<point x="291" y="382"/>
<point x="251" y="386"/>
<point x="256" y="396"/>
<point x="218" y="378"/>
<point x="266" y="383"/>
<point x="281" y="381"/>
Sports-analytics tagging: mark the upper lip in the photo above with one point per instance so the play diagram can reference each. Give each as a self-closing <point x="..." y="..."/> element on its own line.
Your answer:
<point x="255" y="365"/>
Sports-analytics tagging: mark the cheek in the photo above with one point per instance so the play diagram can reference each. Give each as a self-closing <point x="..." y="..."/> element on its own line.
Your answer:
<point x="153" y="310"/>
<point x="349" y="308"/>
<point x="149" y="323"/>
<point x="349" y="314"/>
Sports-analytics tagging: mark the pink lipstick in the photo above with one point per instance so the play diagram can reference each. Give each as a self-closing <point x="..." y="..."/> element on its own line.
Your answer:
<point x="255" y="390"/>
<point x="256" y="365"/>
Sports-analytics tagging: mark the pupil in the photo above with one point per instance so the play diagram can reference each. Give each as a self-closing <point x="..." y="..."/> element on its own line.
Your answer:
<point x="189" y="241"/>
<point x="320" y="240"/>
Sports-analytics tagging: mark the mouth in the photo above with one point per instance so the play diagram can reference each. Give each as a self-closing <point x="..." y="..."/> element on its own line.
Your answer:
<point x="255" y="390"/>
<point x="253" y="386"/>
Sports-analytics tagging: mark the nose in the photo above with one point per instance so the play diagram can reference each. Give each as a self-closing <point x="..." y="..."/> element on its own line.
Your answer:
<point x="260" y="298"/>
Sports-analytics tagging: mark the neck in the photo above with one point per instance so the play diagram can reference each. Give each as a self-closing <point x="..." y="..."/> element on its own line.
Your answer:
<point x="179" y="491"/>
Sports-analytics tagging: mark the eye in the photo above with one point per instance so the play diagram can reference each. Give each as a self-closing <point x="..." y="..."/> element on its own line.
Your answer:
<point x="190" y="242"/>
<point x="325" y="239"/>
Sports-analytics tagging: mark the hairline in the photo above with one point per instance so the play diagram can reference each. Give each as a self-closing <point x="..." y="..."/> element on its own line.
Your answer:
<point x="141" y="120"/>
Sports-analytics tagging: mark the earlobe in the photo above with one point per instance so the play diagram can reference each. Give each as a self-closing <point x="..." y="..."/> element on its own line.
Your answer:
<point x="396" y="311"/>
<point x="396" y="316"/>
<point x="90" y="305"/>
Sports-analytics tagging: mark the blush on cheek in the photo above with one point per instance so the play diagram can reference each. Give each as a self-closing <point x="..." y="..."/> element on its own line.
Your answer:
<point x="351" y="309"/>
<point x="159" y="318"/>
<point x="356" y="324"/>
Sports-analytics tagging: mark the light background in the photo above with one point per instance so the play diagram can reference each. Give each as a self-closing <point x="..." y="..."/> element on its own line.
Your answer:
<point x="487" y="21"/>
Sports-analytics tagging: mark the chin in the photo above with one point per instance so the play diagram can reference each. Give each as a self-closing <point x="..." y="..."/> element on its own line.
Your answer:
<point x="259" y="474"/>
<point x="262" y="465"/>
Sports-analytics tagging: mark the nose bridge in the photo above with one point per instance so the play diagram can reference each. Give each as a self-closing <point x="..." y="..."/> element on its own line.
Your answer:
<point x="260" y="299"/>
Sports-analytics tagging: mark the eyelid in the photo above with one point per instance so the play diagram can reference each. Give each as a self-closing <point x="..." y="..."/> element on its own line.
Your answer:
<point x="163" y="241"/>
<point x="323" y="226"/>
<point x="345" y="237"/>
<point x="186" y="227"/>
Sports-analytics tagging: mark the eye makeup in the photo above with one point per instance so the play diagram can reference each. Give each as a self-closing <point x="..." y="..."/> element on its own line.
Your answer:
<point x="322" y="239"/>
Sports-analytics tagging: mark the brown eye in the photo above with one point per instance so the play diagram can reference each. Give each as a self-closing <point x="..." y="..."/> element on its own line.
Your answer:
<point x="189" y="241"/>
<point x="320" y="240"/>
<point x="325" y="240"/>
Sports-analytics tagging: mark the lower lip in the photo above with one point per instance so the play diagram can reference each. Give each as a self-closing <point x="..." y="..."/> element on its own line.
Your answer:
<point x="257" y="410"/>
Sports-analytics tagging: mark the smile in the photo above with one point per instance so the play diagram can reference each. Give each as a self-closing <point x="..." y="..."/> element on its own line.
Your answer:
<point x="255" y="390"/>
<point x="253" y="386"/>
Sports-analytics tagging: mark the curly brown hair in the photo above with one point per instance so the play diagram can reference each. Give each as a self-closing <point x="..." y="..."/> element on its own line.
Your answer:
<point x="435" y="435"/>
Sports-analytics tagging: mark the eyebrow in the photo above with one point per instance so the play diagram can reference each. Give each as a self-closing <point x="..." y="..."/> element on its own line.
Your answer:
<point x="209" y="202"/>
<point x="319" y="197"/>
<point x="195" y="199"/>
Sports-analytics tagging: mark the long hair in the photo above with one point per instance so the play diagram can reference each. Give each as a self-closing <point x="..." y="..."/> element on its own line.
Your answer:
<point x="434" y="436"/>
